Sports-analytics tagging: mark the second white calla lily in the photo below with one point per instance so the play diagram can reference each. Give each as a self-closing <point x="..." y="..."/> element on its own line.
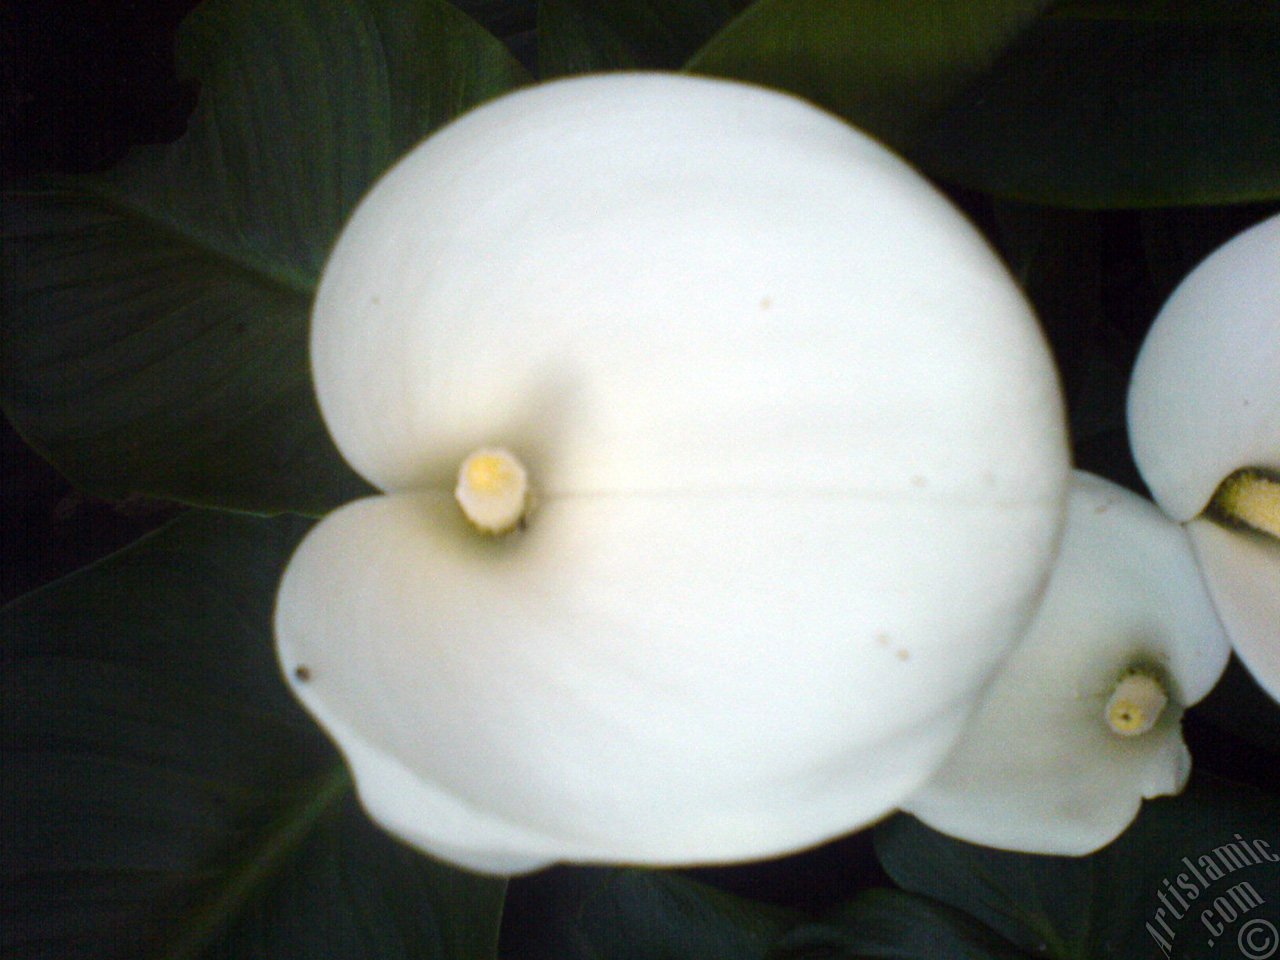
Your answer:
<point x="775" y="442"/>
<point x="1082" y="721"/>
<point x="1204" y="408"/>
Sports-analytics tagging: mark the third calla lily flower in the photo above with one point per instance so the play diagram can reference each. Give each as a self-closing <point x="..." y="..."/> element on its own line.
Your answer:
<point x="1204" y="421"/>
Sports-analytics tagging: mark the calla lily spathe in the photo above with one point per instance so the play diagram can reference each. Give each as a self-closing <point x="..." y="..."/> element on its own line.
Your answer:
<point x="1204" y="403"/>
<point x="795" y="466"/>
<point x="1053" y="761"/>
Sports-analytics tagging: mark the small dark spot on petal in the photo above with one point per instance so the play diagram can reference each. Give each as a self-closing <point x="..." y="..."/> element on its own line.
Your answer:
<point x="303" y="673"/>
<point x="903" y="655"/>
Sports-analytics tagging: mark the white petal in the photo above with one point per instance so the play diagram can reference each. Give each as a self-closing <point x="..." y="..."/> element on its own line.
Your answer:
<point x="1205" y="395"/>
<point x="1038" y="769"/>
<point x="650" y="679"/>
<point x="795" y="452"/>
<point x="1243" y="573"/>
<point x="656" y="283"/>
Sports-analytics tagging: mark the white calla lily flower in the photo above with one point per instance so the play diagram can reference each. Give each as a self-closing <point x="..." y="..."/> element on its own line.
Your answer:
<point x="775" y="442"/>
<point x="1082" y="720"/>
<point x="1204" y="423"/>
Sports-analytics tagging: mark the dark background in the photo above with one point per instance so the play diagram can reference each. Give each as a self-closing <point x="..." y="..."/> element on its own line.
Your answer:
<point x="80" y="82"/>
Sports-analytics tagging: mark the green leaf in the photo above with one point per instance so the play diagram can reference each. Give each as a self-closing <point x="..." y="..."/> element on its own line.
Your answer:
<point x="585" y="913"/>
<point x="157" y="314"/>
<point x="1175" y="884"/>
<point x="1168" y="104"/>
<point x="892" y="925"/>
<point x="884" y="65"/>
<point x="579" y="36"/>
<point x="165" y="796"/>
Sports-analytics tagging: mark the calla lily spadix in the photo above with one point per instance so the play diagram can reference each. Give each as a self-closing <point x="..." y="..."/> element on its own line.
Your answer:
<point x="722" y="463"/>
<point x="1082" y="720"/>
<point x="1204" y="423"/>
